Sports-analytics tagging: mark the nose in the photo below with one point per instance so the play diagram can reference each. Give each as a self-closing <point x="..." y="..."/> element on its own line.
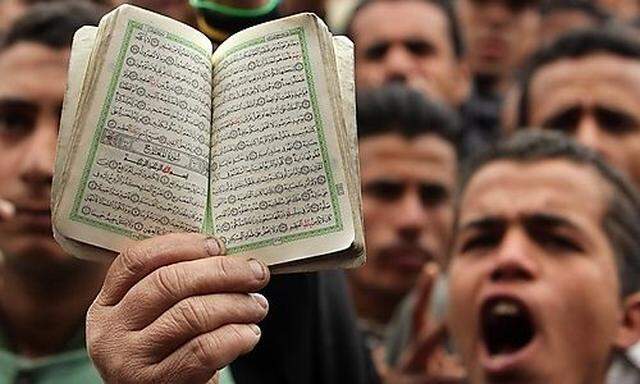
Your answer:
<point x="514" y="260"/>
<point x="497" y="12"/>
<point x="589" y="134"/>
<point x="37" y="167"/>
<point x="398" y="64"/>
<point x="412" y="216"/>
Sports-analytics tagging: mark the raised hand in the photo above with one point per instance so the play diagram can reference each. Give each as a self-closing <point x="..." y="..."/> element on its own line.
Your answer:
<point x="425" y="361"/>
<point x="173" y="310"/>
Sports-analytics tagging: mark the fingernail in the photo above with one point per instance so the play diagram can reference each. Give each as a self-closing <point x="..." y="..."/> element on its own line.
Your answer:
<point x="213" y="246"/>
<point x="258" y="269"/>
<point x="255" y="329"/>
<point x="261" y="300"/>
<point x="7" y="209"/>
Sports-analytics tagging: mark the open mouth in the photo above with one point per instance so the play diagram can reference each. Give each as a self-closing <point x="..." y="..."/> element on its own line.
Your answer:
<point x="506" y="326"/>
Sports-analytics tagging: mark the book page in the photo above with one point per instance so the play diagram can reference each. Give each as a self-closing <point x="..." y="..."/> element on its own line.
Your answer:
<point x="141" y="167"/>
<point x="355" y="256"/>
<point x="278" y="186"/>
<point x="83" y="42"/>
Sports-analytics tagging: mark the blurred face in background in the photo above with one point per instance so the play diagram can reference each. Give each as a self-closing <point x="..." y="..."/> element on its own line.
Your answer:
<point x="32" y="85"/>
<point x="559" y="22"/>
<point x="534" y="288"/>
<point x="623" y="9"/>
<point x="9" y="11"/>
<point x="596" y="100"/>
<point x="408" y="42"/>
<point x="498" y="34"/>
<point x="176" y="9"/>
<point x="407" y="201"/>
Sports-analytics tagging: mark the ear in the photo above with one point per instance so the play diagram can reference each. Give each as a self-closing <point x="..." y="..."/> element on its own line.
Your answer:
<point x="629" y="330"/>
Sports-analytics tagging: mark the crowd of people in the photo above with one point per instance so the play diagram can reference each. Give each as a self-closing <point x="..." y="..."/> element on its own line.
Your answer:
<point x="499" y="145"/>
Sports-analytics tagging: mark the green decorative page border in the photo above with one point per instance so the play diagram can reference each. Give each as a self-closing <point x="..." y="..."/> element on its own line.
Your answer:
<point x="80" y="193"/>
<point x="299" y="32"/>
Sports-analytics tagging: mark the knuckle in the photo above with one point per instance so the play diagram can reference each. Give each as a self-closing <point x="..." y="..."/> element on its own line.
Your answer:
<point x="133" y="260"/>
<point x="167" y="281"/>
<point x="190" y="313"/>
<point x="224" y="268"/>
<point x="206" y="349"/>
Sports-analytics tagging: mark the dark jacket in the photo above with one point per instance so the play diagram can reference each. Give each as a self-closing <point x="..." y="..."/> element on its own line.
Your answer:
<point x="309" y="337"/>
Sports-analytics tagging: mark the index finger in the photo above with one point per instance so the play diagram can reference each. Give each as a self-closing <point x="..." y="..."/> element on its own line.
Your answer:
<point x="413" y="360"/>
<point x="424" y="290"/>
<point x="141" y="259"/>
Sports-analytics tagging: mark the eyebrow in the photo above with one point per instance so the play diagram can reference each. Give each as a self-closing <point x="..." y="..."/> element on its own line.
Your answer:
<point x="13" y="103"/>
<point x="538" y="220"/>
<point x="549" y="221"/>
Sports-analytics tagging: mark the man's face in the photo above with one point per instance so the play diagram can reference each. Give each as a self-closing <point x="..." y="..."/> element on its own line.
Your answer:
<point x="32" y="84"/>
<point x="9" y="11"/>
<point x="176" y="9"/>
<point x="533" y="279"/>
<point x="407" y="202"/>
<point x="408" y="42"/>
<point x="495" y="32"/>
<point x="595" y="99"/>
<point x="560" y="22"/>
<point x="624" y="9"/>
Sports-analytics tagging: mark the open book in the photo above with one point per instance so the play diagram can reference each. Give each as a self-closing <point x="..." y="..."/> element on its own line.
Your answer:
<point x="254" y="143"/>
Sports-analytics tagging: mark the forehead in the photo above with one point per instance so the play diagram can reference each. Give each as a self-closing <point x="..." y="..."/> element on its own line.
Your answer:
<point x="512" y="189"/>
<point x="600" y="78"/>
<point x="389" y="20"/>
<point x="33" y="71"/>
<point x="425" y="157"/>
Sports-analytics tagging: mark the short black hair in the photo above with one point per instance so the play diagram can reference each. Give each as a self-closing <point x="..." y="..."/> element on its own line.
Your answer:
<point x="445" y="5"/>
<point x="621" y="222"/>
<point x="52" y="24"/>
<point x="398" y="109"/>
<point x="574" y="45"/>
<point x="587" y="7"/>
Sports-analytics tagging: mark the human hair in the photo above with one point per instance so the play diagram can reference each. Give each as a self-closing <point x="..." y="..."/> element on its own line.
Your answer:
<point x="401" y="110"/>
<point x="589" y="8"/>
<point x="52" y="24"/>
<point x="446" y="7"/>
<point x="621" y="222"/>
<point x="575" y="45"/>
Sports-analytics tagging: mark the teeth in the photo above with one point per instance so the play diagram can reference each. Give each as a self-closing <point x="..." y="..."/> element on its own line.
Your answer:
<point x="505" y="309"/>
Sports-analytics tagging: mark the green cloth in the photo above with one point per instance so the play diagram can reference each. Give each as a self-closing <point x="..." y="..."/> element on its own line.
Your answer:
<point x="70" y="366"/>
<point x="225" y="376"/>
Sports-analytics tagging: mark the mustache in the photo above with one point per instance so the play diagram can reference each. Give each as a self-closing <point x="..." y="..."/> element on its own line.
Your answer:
<point x="409" y="249"/>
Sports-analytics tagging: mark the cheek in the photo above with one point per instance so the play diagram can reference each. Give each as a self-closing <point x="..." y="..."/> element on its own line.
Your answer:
<point x="378" y="226"/>
<point x="463" y="278"/>
<point x="9" y="167"/>
<point x="369" y="74"/>
<point x="585" y="306"/>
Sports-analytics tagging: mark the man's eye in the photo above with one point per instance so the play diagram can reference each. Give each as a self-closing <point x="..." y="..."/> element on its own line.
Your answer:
<point x="432" y="195"/>
<point x="615" y="122"/>
<point x="565" y="122"/>
<point x="420" y="47"/>
<point x="384" y="190"/>
<point x="480" y="241"/>
<point x="15" y="124"/>
<point x="377" y="51"/>
<point x="556" y="242"/>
